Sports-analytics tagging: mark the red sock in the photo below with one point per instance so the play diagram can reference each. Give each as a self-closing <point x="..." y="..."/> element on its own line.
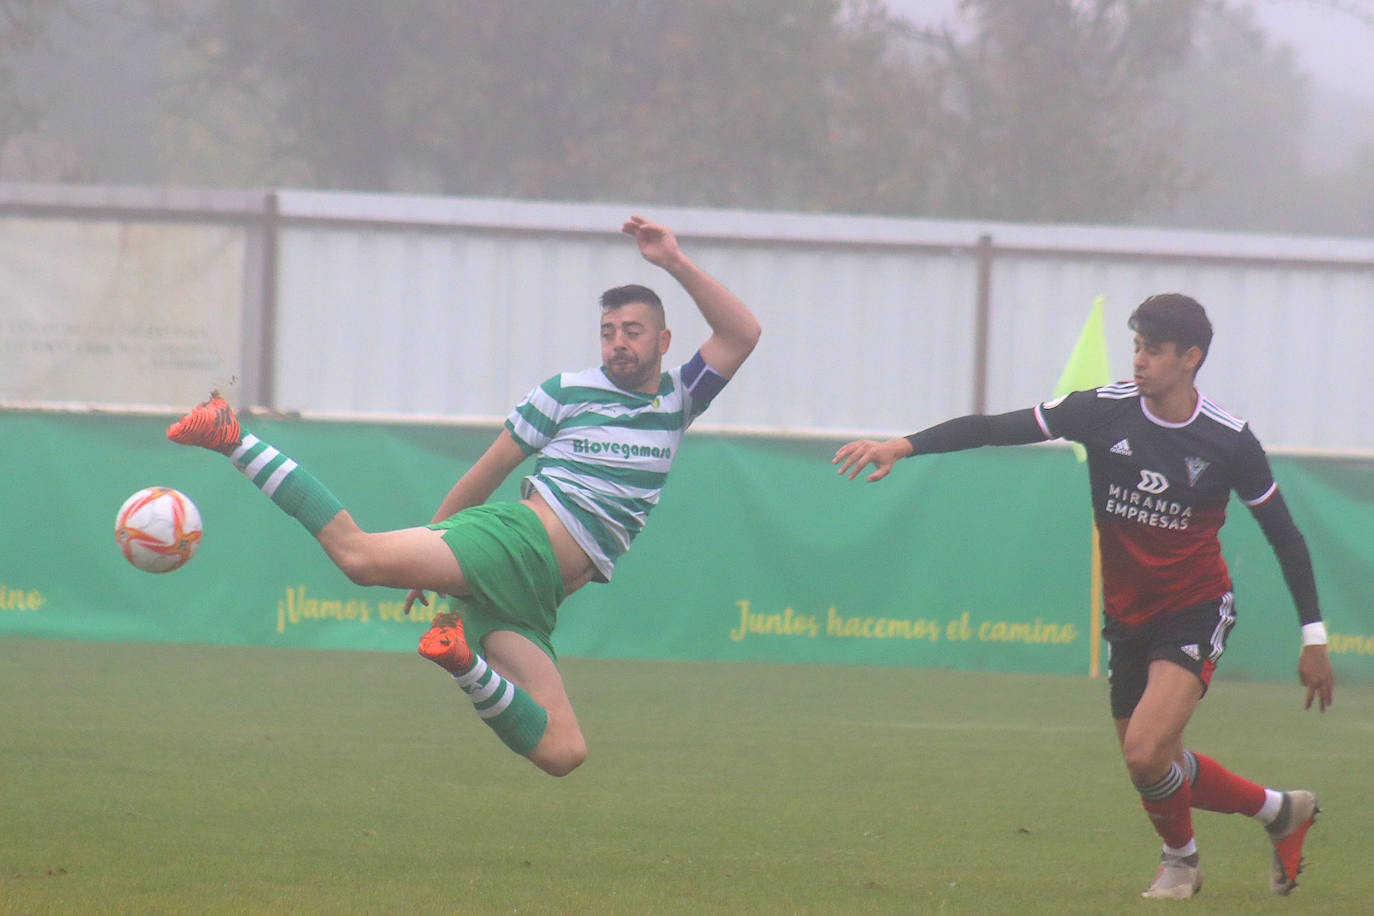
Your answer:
<point x="1172" y="819"/>
<point x="1168" y="803"/>
<point x="1218" y="789"/>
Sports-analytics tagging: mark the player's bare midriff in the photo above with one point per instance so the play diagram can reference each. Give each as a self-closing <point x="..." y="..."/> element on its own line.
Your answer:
<point x="574" y="565"/>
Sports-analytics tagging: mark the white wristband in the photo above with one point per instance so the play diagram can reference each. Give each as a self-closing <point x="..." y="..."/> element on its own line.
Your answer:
<point x="1314" y="634"/>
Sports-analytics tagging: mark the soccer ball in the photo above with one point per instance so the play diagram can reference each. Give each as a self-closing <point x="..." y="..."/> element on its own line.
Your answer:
<point x="158" y="529"/>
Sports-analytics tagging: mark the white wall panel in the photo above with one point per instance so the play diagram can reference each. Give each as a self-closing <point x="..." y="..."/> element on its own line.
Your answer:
<point x="440" y="306"/>
<point x="432" y="306"/>
<point x="426" y="321"/>
<point x="1284" y="357"/>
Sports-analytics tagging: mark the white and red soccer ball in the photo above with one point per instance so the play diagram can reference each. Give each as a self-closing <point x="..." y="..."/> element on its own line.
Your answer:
<point x="158" y="529"/>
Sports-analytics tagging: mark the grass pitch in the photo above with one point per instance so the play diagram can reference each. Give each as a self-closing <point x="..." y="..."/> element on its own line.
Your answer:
<point x="198" y="779"/>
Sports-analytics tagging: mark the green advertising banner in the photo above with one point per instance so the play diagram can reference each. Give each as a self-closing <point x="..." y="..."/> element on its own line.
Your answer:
<point x="758" y="551"/>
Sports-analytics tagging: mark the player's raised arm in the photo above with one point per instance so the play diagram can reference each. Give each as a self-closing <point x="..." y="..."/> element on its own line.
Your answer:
<point x="734" y="328"/>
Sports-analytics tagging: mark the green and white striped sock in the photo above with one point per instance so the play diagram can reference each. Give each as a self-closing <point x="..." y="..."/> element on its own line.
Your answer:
<point x="289" y="485"/>
<point x="513" y="714"/>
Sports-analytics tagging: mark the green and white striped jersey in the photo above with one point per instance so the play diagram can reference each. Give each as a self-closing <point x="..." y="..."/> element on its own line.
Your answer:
<point x="603" y="453"/>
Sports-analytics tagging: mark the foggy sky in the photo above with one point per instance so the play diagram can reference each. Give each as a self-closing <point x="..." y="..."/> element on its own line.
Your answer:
<point x="1332" y="43"/>
<point x="1335" y="48"/>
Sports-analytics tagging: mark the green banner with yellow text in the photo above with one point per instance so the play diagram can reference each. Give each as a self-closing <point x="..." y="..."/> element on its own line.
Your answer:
<point x="758" y="551"/>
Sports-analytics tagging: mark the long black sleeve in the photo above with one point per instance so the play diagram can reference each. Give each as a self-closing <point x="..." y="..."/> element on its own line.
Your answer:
<point x="1019" y="427"/>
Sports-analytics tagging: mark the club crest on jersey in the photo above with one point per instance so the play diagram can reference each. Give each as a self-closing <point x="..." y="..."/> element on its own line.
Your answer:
<point x="1195" y="468"/>
<point x="1152" y="482"/>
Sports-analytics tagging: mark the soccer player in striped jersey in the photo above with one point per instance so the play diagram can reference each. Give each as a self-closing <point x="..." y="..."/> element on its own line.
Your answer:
<point x="604" y="440"/>
<point x="1162" y="462"/>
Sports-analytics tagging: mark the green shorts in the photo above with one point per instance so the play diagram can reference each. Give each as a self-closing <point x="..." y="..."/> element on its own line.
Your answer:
<point x="510" y="570"/>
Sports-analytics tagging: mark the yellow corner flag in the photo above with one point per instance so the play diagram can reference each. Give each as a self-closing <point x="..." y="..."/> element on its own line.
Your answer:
<point x="1088" y="368"/>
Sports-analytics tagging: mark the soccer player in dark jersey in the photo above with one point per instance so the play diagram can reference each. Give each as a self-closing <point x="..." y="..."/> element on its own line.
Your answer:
<point x="1162" y="462"/>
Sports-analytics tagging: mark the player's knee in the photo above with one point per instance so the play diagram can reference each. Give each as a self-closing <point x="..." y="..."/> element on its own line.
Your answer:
<point x="358" y="565"/>
<point x="356" y="560"/>
<point x="1146" y="760"/>
<point x="562" y="759"/>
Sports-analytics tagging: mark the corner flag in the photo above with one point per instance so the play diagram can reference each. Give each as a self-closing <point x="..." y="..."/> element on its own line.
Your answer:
<point x="1087" y="368"/>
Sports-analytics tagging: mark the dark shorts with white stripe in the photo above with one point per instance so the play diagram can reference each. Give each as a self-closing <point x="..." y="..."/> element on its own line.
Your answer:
<point x="1192" y="638"/>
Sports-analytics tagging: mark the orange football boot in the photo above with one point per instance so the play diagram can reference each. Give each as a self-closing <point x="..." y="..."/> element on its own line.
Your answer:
<point x="1287" y="833"/>
<point x="210" y="425"/>
<point x="445" y="645"/>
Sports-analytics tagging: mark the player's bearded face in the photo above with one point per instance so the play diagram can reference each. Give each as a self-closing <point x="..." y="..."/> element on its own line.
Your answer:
<point x="632" y="347"/>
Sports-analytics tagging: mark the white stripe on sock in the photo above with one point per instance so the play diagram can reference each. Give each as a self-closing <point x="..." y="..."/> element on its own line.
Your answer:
<point x="1182" y="851"/>
<point x="259" y="462"/>
<point x="1273" y="803"/>
<point x="245" y="444"/>
<point x="473" y="674"/>
<point x="270" y="485"/>
<point x="478" y="694"/>
<point x="500" y="705"/>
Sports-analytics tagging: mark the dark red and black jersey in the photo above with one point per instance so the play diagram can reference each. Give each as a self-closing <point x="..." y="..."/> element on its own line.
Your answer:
<point x="1159" y="494"/>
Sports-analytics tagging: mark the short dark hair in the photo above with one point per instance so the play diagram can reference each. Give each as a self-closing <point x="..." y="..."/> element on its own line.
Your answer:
<point x="1173" y="318"/>
<point x="617" y="296"/>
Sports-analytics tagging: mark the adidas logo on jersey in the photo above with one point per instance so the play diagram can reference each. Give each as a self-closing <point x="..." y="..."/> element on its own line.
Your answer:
<point x="1191" y="651"/>
<point x="1122" y="448"/>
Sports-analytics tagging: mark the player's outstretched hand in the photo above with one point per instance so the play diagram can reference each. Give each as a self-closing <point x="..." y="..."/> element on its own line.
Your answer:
<point x="656" y="243"/>
<point x="413" y="596"/>
<point x="853" y="457"/>
<point x="1314" y="670"/>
